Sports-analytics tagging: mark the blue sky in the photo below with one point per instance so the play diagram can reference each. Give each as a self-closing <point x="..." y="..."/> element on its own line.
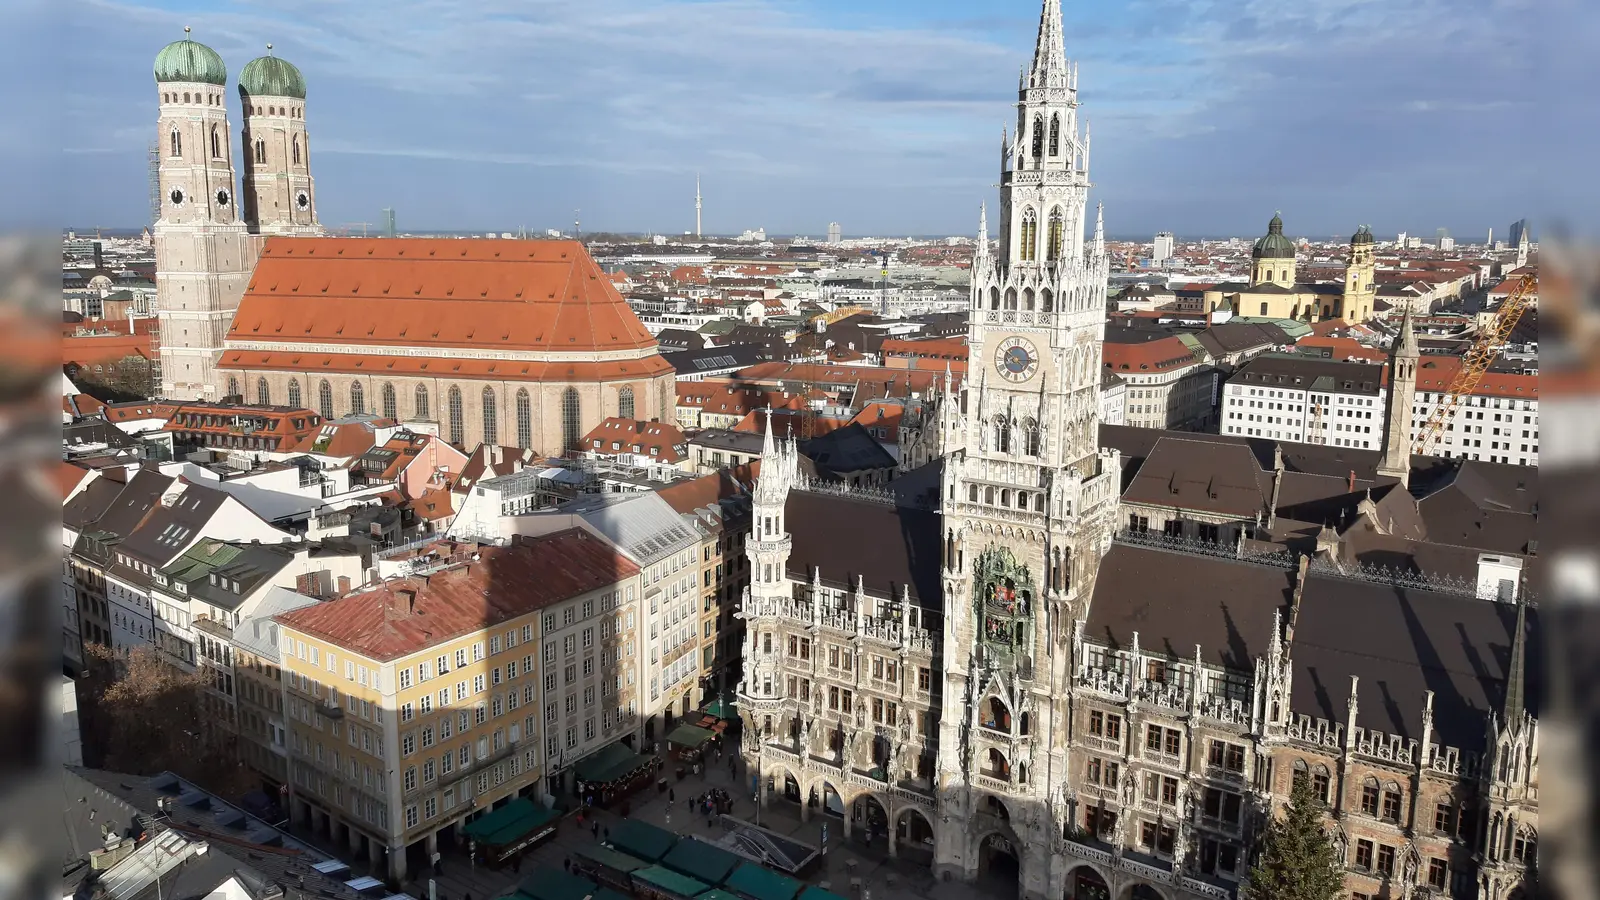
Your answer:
<point x="882" y="114"/>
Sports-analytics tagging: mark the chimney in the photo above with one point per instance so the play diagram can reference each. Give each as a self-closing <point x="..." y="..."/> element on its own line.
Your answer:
<point x="408" y="596"/>
<point x="1351" y="487"/>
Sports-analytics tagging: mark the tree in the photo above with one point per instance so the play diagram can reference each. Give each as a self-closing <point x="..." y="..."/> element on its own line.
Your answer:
<point x="147" y="716"/>
<point x="1297" y="860"/>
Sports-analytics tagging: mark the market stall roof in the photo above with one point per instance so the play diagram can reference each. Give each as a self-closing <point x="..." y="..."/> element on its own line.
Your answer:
<point x="690" y="736"/>
<point x="608" y="764"/>
<point x="754" y="882"/>
<point x="701" y="860"/>
<point x="550" y="883"/>
<point x="508" y="823"/>
<point x="716" y="894"/>
<point x="611" y="859"/>
<point x="643" y="840"/>
<point x="722" y="709"/>
<point x="667" y="880"/>
<point x="815" y="893"/>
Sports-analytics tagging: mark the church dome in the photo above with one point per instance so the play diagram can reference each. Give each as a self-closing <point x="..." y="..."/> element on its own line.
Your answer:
<point x="269" y="76"/>
<point x="190" y="61"/>
<point x="1273" y="245"/>
<point x="1363" y="235"/>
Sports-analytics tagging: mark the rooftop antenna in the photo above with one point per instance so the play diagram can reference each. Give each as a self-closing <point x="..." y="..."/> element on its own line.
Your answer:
<point x="577" y="227"/>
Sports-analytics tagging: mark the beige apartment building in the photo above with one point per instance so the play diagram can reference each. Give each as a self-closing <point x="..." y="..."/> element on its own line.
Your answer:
<point x="418" y="705"/>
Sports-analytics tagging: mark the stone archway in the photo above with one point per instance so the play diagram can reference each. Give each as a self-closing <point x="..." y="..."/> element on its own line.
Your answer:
<point x="1140" y="890"/>
<point x="913" y="835"/>
<point x="999" y="865"/>
<point x="869" y="821"/>
<point x="1086" y="883"/>
<point x="823" y="797"/>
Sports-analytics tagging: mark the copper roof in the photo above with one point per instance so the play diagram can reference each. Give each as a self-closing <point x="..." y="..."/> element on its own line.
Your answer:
<point x="514" y="295"/>
<point x="503" y="583"/>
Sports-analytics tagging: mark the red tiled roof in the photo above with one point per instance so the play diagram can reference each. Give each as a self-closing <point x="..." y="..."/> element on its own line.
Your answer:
<point x="1434" y="374"/>
<point x="506" y="461"/>
<point x="445" y="366"/>
<point x="67" y="477"/>
<point x="1162" y="355"/>
<point x="1343" y="348"/>
<point x="82" y="405"/>
<point x="504" y="583"/>
<point x="104" y="348"/>
<point x="341" y="439"/>
<point x="270" y="427"/>
<point x="657" y="440"/>
<point x="687" y="497"/>
<point x="436" y="293"/>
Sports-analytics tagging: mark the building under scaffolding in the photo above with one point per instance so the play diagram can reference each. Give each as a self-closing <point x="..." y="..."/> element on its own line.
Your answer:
<point x="154" y="164"/>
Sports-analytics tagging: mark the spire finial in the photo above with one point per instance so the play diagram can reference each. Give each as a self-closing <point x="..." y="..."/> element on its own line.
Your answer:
<point x="1516" y="671"/>
<point x="185" y="29"/>
<point x="269" y="47"/>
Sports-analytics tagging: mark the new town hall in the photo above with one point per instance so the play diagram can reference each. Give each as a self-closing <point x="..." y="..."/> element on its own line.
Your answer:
<point x="1094" y="659"/>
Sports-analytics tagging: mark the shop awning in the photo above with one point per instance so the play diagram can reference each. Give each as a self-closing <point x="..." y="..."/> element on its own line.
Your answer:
<point x="609" y="763"/>
<point x="550" y="883"/>
<point x="509" y="823"/>
<point x="690" y="736"/>
<point x="722" y="709"/>
<point x="664" y="879"/>
<point x="753" y="882"/>
<point x="701" y="861"/>
<point x="642" y="840"/>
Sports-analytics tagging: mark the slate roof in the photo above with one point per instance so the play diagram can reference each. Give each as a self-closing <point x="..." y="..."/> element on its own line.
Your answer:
<point x="1201" y="475"/>
<point x="643" y="525"/>
<point x="847" y="449"/>
<point x="888" y="547"/>
<point x="257" y="633"/>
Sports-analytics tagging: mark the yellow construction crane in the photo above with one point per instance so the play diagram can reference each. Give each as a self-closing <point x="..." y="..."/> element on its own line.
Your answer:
<point x="839" y="315"/>
<point x="1475" y="363"/>
<point x="1315" y="436"/>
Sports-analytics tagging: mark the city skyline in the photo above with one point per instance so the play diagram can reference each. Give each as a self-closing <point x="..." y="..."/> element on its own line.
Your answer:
<point x="487" y="140"/>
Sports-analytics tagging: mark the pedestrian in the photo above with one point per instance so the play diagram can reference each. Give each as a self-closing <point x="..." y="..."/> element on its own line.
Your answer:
<point x="672" y="795"/>
<point x="595" y="830"/>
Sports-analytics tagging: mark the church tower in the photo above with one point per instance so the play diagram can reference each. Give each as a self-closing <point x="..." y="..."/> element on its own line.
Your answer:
<point x="1272" y="258"/>
<point x="203" y="250"/>
<point x="1028" y="500"/>
<point x="1359" y="290"/>
<point x="1403" y="358"/>
<point x="279" y="197"/>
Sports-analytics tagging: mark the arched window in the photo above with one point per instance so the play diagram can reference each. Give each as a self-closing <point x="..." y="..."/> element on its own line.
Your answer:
<point x="524" y="419"/>
<point x="263" y="393"/>
<point x="1055" y="134"/>
<point x="177" y="143"/>
<point x="1030" y="437"/>
<point x="233" y="386"/>
<point x="1002" y="434"/>
<point x="386" y="398"/>
<point x="422" y="411"/>
<point x="216" y="143"/>
<point x="1011" y="298"/>
<point x="358" y="398"/>
<point x="325" y="399"/>
<point x="1054" y="235"/>
<point x="1027" y="299"/>
<point x="571" y="410"/>
<point x="994" y="298"/>
<point x="1038" y="136"/>
<point x="457" y="428"/>
<point x="491" y="429"/>
<point x="295" y="148"/>
<point x="972" y="493"/>
<point x="1046" y="300"/>
<point x="1030" y="236"/>
<point x="261" y="151"/>
<point x="294" y="392"/>
<point x="625" y="403"/>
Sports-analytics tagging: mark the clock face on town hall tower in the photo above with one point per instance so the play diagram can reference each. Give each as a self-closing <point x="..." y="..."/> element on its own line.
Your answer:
<point x="1016" y="360"/>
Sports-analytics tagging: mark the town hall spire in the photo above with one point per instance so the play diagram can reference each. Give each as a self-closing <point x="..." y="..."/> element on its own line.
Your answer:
<point x="1049" y="51"/>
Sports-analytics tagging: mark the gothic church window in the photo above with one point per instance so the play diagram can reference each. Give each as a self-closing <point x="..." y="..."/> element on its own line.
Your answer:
<point x="295" y="147"/>
<point x="1002" y="434"/>
<point x="1027" y="299"/>
<point x="294" y="392"/>
<point x="325" y="399"/>
<point x="358" y="399"/>
<point x="1011" y="298"/>
<point x="1030" y="436"/>
<point x="1054" y="235"/>
<point x="1030" y="236"/>
<point x="177" y="143"/>
<point x="422" y="411"/>
<point x="457" y="427"/>
<point x="216" y="143"/>
<point x="1055" y="134"/>
<point x="386" y="398"/>
<point x="491" y="425"/>
<point x="1038" y="136"/>
<point x="625" y="403"/>
<point x="233" y="387"/>
<point x="263" y="393"/>
<point x="994" y="298"/>
<point x="571" y="409"/>
<point x="261" y="151"/>
<point x="1046" y="300"/>
<point x="524" y="419"/>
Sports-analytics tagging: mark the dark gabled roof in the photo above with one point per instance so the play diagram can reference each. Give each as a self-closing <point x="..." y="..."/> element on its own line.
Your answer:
<point x="1483" y="505"/>
<point x="1403" y="643"/>
<point x="1201" y="475"/>
<point x="95" y="430"/>
<point x="88" y="505"/>
<point x="1300" y="372"/>
<point x="169" y="529"/>
<point x="1176" y="600"/>
<point x="888" y="547"/>
<point x="133" y="503"/>
<point x="695" y="361"/>
<point x="845" y="450"/>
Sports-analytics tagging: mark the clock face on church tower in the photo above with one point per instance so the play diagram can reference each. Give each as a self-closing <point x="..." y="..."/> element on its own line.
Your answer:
<point x="1016" y="359"/>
